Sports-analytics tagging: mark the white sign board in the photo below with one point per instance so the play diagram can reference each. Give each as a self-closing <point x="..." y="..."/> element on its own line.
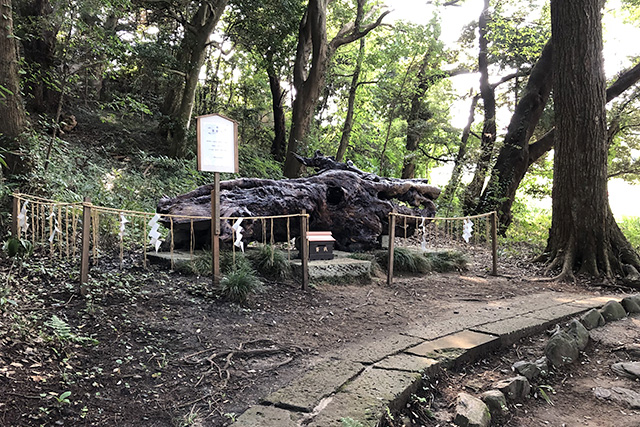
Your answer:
<point x="217" y="144"/>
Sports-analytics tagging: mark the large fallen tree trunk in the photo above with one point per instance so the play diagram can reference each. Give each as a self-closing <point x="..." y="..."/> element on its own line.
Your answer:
<point x="352" y="204"/>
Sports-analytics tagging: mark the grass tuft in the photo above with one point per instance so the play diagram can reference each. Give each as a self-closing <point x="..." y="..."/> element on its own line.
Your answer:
<point x="271" y="262"/>
<point x="237" y="285"/>
<point x="446" y="261"/>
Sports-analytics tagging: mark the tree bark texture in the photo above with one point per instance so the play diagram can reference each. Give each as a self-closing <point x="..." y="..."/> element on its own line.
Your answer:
<point x="583" y="234"/>
<point x="487" y="92"/>
<point x="513" y="160"/>
<point x="279" y="143"/>
<point x="313" y="54"/>
<point x="39" y="45"/>
<point x="348" y="120"/>
<point x="11" y="109"/>
<point x="456" y="174"/>
<point x="352" y="204"/>
<point x="178" y="103"/>
<point x="417" y="116"/>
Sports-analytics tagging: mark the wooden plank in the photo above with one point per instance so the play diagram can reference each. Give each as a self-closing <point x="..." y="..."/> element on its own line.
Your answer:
<point x="215" y="228"/>
<point x="392" y="238"/>
<point x="304" y="250"/>
<point x="86" y="239"/>
<point x="14" y="218"/>
<point x="494" y="242"/>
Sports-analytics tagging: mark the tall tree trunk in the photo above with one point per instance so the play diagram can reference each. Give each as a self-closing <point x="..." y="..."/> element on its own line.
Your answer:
<point x="39" y="45"/>
<point x="13" y="120"/>
<point x="279" y="143"/>
<point x="309" y="71"/>
<point x="178" y="103"/>
<point x="348" y="120"/>
<point x="456" y="174"/>
<point x="415" y="121"/>
<point x="513" y="160"/>
<point x="487" y="91"/>
<point x="583" y="235"/>
<point x="512" y="163"/>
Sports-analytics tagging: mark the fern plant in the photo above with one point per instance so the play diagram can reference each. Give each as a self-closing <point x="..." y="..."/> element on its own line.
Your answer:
<point x="63" y="333"/>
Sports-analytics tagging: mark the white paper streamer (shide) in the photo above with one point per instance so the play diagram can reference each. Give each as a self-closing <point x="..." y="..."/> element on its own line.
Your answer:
<point x="123" y="221"/>
<point x="236" y="227"/>
<point x="55" y="226"/>
<point x="423" y="245"/>
<point x="467" y="229"/>
<point x="154" y="234"/>
<point x="23" y="222"/>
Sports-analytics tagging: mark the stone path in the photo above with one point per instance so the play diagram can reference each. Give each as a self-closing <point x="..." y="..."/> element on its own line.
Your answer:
<point x="361" y="382"/>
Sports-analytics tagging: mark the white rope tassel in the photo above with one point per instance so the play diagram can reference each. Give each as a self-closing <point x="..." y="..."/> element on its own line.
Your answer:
<point x="123" y="221"/>
<point x="236" y="227"/>
<point x="154" y="234"/>
<point x="467" y="229"/>
<point x="23" y="220"/>
<point x="55" y="226"/>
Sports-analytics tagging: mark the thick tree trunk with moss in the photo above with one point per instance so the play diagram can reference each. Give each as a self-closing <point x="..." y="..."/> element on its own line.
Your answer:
<point x="583" y="237"/>
<point x="13" y="119"/>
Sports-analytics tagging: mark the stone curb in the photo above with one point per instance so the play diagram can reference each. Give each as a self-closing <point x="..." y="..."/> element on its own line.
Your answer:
<point x="362" y="383"/>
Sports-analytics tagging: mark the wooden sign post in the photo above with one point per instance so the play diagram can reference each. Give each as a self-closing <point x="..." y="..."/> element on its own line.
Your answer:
<point x="217" y="152"/>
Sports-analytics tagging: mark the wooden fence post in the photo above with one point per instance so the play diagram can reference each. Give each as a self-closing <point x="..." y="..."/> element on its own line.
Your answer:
<point x="304" y="250"/>
<point x="494" y="242"/>
<point x="215" y="228"/>
<point x="14" y="218"/>
<point x="392" y="238"/>
<point x="86" y="238"/>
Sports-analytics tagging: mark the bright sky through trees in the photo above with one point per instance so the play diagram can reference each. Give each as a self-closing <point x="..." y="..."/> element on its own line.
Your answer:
<point x="624" y="197"/>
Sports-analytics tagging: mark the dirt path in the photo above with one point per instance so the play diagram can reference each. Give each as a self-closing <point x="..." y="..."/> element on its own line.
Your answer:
<point x="168" y="353"/>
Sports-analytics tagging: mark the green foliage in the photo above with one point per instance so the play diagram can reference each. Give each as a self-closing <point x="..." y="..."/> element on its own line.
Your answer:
<point x="200" y="265"/>
<point x="350" y="422"/>
<point x="20" y="248"/>
<point x="237" y="285"/>
<point x="530" y="225"/>
<point x="271" y="262"/>
<point x="230" y="262"/>
<point x="63" y="398"/>
<point x="63" y="333"/>
<point x="630" y="226"/>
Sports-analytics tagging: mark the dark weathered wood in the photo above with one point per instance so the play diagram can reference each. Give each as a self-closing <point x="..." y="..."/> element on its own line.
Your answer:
<point x="215" y="229"/>
<point x="392" y="238"/>
<point x="304" y="250"/>
<point x="494" y="243"/>
<point x="86" y="239"/>
<point x="352" y="204"/>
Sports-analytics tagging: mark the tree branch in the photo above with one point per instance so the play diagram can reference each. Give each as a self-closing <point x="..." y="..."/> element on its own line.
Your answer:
<point x="625" y="80"/>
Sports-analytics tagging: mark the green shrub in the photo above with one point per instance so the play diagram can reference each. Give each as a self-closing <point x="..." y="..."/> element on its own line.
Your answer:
<point x="20" y="248"/>
<point x="237" y="285"/>
<point x="271" y="262"/>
